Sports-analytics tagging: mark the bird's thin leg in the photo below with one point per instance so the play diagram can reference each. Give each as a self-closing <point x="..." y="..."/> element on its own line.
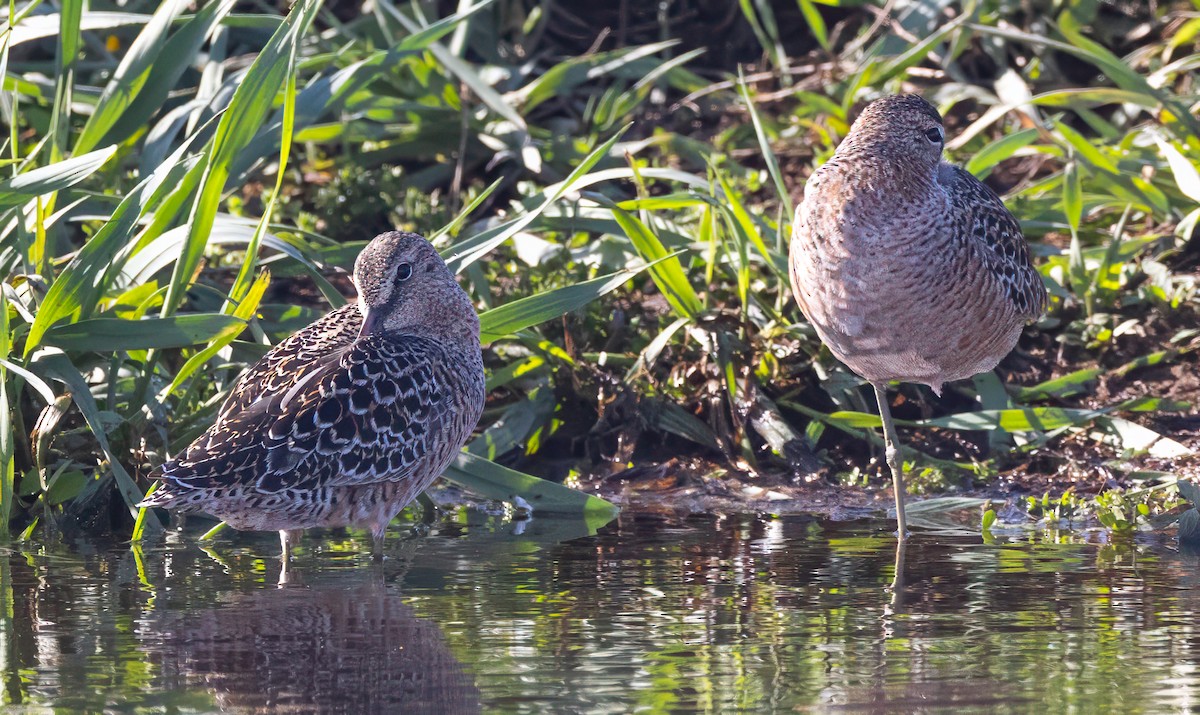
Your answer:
<point x="892" y="454"/>
<point x="378" y="534"/>
<point x="288" y="538"/>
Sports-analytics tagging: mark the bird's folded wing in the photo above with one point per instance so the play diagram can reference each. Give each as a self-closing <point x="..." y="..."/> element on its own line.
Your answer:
<point x="990" y="225"/>
<point x="369" y="414"/>
<point x="276" y="370"/>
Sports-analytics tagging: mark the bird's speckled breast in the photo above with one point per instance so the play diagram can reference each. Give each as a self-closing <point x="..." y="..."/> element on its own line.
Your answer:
<point x="894" y="293"/>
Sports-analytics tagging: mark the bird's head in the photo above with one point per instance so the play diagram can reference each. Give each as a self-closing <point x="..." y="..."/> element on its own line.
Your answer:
<point x="404" y="286"/>
<point x="902" y="128"/>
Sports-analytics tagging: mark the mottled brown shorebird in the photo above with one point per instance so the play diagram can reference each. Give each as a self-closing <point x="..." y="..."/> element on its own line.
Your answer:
<point x="909" y="268"/>
<point x="348" y="420"/>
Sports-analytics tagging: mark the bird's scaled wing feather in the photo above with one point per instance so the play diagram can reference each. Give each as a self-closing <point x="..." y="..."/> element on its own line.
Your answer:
<point x="369" y="414"/>
<point x="989" y="224"/>
<point x="276" y="371"/>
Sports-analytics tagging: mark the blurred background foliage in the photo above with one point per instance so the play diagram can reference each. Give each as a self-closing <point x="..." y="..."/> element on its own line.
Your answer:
<point x="186" y="183"/>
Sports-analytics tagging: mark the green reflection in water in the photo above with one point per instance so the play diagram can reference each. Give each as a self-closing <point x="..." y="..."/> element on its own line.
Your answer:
<point x="652" y="613"/>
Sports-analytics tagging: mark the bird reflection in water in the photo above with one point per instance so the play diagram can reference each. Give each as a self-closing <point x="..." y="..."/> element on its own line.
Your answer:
<point x="323" y="649"/>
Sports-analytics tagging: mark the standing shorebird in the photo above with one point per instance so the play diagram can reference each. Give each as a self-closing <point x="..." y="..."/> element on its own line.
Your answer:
<point x="347" y="421"/>
<point x="909" y="268"/>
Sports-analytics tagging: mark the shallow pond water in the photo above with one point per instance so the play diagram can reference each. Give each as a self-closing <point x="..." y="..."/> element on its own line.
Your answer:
<point x="653" y="614"/>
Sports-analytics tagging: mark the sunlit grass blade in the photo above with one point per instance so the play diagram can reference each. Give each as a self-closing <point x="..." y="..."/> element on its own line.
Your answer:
<point x="466" y="252"/>
<point x="250" y="105"/>
<point x="491" y="480"/>
<point x="666" y="271"/>
<point x="509" y="318"/>
<point x="113" y="334"/>
<point x="53" y="177"/>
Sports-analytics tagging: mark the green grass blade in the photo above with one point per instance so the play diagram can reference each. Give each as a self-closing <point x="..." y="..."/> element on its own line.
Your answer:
<point x="58" y="366"/>
<point x="151" y="76"/>
<point x="113" y="334"/>
<point x="250" y="105"/>
<point x="466" y="252"/>
<point x="488" y="479"/>
<point x="666" y="270"/>
<point x="74" y="291"/>
<point x="509" y="318"/>
<point x="130" y="75"/>
<point x="53" y="177"/>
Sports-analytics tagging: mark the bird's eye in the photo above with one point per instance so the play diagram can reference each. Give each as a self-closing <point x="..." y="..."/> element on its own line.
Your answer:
<point x="935" y="135"/>
<point x="403" y="271"/>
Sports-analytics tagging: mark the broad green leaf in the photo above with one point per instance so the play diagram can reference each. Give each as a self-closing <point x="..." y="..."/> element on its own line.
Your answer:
<point x="665" y="269"/>
<point x="997" y="151"/>
<point x="251" y="103"/>
<point x="54" y="177"/>
<point x="1184" y="171"/>
<point x="113" y="334"/>
<point x="490" y="480"/>
<point x="509" y="318"/>
<point x="130" y="75"/>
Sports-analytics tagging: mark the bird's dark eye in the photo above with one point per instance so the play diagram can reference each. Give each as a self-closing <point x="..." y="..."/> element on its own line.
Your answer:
<point x="403" y="271"/>
<point x="934" y="135"/>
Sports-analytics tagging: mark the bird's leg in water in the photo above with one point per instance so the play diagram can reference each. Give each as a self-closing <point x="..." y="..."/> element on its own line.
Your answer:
<point x="378" y="534"/>
<point x="288" y="539"/>
<point x="892" y="454"/>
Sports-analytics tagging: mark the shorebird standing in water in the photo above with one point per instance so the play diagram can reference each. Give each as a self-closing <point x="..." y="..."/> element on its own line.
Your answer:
<point x="347" y="421"/>
<point x="909" y="268"/>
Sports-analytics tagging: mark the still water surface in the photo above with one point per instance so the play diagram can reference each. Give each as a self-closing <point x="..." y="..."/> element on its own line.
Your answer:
<point x="652" y="614"/>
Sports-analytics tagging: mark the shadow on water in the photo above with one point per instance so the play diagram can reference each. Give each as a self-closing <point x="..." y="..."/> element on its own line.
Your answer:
<point x="715" y="613"/>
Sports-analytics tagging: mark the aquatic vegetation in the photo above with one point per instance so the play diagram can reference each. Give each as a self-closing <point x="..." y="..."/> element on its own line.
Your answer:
<point x="182" y="189"/>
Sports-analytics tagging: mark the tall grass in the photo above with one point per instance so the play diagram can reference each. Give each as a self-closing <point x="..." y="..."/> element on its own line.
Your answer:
<point x="181" y="177"/>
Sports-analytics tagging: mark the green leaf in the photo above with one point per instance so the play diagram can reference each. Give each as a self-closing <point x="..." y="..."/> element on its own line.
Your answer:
<point x="251" y="103"/>
<point x="1072" y="383"/>
<point x="131" y="74"/>
<point x="58" y="366"/>
<point x="989" y="518"/>
<point x="65" y="486"/>
<point x="986" y="158"/>
<point x="1072" y="196"/>
<point x="509" y="318"/>
<point x="1186" y="176"/>
<point x="469" y="250"/>
<point x="152" y="76"/>
<point x="490" y="480"/>
<point x="816" y="23"/>
<point x="54" y="177"/>
<point x="114" y="334"/>
<point x="1086" y="148"/>
<point x="74" y="291"/>
<point x="665" y="269"/>
<point x="764" y="144"/>
<point x="461" y="69"/>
